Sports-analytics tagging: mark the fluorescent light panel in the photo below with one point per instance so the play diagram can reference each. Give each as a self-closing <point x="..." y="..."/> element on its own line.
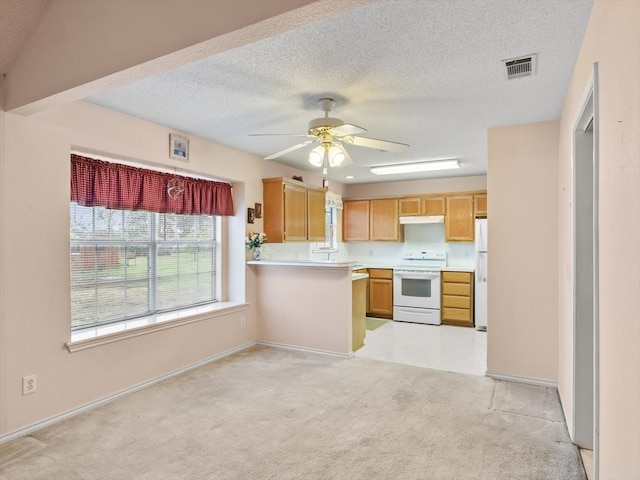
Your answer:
<point x="448" y="164"/>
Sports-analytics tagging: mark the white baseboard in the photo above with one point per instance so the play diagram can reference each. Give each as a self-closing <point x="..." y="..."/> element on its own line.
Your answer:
<point x="303" y="349"/>
<point x="516" y="378"/>
<point x="75" y="411"/>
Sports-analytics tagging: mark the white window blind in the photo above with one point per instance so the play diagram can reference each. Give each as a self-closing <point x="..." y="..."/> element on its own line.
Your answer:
<point x="127" y="264"/>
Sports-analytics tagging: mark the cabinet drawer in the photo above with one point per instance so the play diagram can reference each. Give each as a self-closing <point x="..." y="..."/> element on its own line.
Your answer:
<point x="456" y="302"/>
<point x="458" y="277"/>
<point x="463" y="289"/>
<point x="381" y="273"/>
<point x="459" y="314"/>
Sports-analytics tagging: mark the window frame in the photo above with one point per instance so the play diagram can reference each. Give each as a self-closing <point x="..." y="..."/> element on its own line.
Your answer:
<point x="151" y="243"/>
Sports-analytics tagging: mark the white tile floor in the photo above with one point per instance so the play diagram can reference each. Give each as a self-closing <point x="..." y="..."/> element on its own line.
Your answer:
<point x="441" y="347"/>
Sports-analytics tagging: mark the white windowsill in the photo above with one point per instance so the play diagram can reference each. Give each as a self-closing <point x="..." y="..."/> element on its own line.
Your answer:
<point x="104" y="334"/>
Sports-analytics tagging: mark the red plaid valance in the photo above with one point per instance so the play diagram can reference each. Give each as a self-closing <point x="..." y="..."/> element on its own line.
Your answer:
<point x="112" y="185"/>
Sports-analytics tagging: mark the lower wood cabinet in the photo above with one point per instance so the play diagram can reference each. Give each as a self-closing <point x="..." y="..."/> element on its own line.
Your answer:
<point x="457" y="298"/>
<point x="380" y="292"/>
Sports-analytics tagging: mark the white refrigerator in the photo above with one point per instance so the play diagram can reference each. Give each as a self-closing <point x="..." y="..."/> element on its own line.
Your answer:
<point x="481" y="275"/>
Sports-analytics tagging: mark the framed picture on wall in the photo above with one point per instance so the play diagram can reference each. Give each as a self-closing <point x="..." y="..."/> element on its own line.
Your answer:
<point x="258" y="209"/>
<point x="178" y="147"/>
<point x="251" y="215"/>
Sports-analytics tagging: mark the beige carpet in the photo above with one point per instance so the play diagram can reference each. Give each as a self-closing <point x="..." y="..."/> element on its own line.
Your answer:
<point x="269" y="413"/>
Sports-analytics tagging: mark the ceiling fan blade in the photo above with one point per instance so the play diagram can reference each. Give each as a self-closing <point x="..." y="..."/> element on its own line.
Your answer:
<point x="279" y="135"/>
<point x="290" y="149"/>
<point x="383" y="145"/>
<point x="346" y="129"/>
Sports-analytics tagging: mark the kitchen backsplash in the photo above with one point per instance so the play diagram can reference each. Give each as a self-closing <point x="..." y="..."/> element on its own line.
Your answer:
<point x="420" y="236"/>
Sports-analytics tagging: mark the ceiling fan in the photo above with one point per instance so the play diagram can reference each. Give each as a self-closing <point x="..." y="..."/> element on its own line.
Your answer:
<point x="330" y="133"/>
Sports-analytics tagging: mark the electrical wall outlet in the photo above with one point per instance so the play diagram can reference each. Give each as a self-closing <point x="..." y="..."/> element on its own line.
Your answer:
<point x="28" y="384"/>
<point x="243" y="322"/>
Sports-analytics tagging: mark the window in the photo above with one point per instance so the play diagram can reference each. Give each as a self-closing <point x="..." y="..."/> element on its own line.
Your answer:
<point x="142" y="241"/>
<point x="127" y="264"/>
<point x="330" y="230"/>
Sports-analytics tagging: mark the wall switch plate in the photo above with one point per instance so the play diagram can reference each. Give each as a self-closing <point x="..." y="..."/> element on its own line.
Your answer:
<point x="28" y="384"/>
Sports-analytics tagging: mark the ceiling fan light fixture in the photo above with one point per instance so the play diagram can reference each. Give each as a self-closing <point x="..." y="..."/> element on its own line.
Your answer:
<point x="432" y="165"/>
<point x="336" y="156"/>
<point x="316" y="156"/>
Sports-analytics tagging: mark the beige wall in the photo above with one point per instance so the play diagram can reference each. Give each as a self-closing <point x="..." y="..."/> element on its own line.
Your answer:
<point x="523" y="253"/>
<point x="305" y="307"/>
<point x="613" y="40"/>
<point x="34" y="266"/>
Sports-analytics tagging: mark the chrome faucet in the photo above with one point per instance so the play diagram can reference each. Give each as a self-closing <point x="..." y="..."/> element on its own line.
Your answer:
<point x="329" y="256"/>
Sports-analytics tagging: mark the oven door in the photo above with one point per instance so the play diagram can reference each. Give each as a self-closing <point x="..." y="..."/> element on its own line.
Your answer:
<point x="416" y="289"/>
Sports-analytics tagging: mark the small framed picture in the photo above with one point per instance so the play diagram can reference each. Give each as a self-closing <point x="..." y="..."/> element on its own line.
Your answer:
<point x="251" y="215"/>
<point x="178" y="147"/>
<point x="258" y="208"/>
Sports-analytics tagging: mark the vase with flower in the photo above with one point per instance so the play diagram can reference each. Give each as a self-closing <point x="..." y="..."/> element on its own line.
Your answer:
<point x="254" y="242"/>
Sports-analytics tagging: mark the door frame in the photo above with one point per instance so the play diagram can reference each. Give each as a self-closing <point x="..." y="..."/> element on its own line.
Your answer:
<point x="585" y="295"/>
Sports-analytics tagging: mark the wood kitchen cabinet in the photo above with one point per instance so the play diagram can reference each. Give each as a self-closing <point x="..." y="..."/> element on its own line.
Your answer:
<point x="355" y="220"/>
<point x="371" y="220"/>
<point x="423" y="205"/>
<point x="380" y="292"/>
<point x="480" y="205"/>
<point x="384" y="220"/>
<point x="457" y="298"/>
<point x="292" y="211"/>
<point x="410" y="206"/>
<point x="316" y="210"/>
<point x="459" y="221"/>
<point x="433" y="206"/>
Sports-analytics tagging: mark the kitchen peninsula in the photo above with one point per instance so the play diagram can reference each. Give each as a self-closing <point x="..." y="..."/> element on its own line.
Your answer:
<point x="308" y="305"/>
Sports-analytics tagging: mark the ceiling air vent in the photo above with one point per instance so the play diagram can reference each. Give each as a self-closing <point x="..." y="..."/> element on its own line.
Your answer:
<point x="521" y="66"/>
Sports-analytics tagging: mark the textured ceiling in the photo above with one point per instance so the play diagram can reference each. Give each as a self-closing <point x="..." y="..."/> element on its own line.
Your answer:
<point x="425" y="73"/>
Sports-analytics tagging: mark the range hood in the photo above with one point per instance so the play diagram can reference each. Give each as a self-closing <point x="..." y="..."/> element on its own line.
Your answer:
<point x="422" y="219"/>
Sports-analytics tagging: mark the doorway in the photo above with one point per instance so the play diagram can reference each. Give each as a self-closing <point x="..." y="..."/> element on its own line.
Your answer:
<point x="585" y="274"/>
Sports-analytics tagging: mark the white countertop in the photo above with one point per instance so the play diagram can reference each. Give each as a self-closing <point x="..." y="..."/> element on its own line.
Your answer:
<point x="359" y="276"/>
<point x="358" y="266"/>
<point x="458" y="269"/>
<point x="303" y="263"/>
<point x="353" y="265"/>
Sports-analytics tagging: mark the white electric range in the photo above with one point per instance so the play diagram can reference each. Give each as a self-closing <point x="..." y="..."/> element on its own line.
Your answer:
<point x="416" y="286"/>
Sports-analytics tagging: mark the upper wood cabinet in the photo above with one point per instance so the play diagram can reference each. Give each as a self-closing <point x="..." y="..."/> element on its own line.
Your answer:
<point x="423" y="205"/>
<point x="292" y="211"/>
<point x="384" y="222"/>
<point x="294" y="214"/>
<point x="316" y="209"/>
<point x="459" y="220"/>
<point x="355" y="220"/>
<point x="480" y="205"/>
<point x="410" y="206"/>
<point x="433" y="206"/>
<point x="371" y="220"/>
